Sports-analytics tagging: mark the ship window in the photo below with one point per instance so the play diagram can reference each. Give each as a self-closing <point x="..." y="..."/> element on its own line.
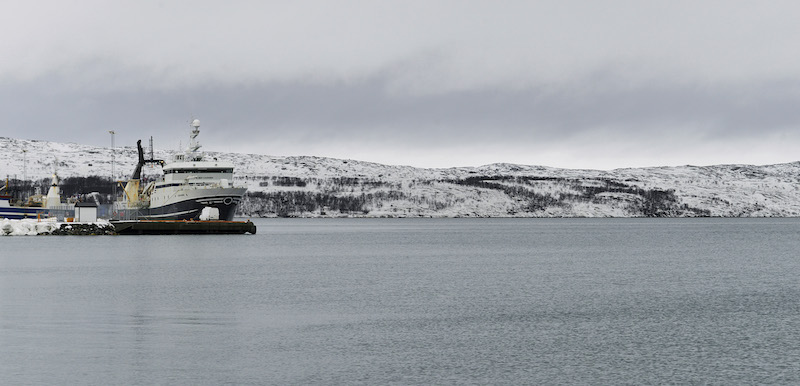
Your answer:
<point x="199" y="170"/>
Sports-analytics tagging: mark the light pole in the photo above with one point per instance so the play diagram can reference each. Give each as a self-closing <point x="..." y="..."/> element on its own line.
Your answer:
<point x="113" y="180"/>
<point x="24" y="167"/>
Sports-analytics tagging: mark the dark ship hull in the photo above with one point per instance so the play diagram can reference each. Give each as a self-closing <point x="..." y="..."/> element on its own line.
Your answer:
<point x="225" y="203"/>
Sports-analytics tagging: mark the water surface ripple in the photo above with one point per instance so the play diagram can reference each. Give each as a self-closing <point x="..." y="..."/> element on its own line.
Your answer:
<point x="402" y="301"/>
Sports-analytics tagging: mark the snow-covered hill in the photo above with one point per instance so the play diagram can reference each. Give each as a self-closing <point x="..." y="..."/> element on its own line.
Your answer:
<point x="314" y="186"/>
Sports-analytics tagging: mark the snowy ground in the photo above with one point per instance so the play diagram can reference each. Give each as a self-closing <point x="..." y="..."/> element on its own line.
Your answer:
<point x="34" y="227"/>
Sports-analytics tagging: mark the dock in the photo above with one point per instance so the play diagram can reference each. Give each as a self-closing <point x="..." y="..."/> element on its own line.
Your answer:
<point x="181" y="227"/>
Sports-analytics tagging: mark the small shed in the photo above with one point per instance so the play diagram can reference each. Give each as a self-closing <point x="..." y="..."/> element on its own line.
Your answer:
<point x="86" y="212"/>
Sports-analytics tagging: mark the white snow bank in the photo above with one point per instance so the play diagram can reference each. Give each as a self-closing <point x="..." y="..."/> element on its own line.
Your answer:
<point x="32" y="227"/>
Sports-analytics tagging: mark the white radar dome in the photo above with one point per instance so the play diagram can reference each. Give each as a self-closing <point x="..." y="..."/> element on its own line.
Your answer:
<point x="196" y="123"/>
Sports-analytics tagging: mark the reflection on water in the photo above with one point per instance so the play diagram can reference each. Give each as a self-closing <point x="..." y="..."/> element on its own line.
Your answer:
<point x="486" y="301"/>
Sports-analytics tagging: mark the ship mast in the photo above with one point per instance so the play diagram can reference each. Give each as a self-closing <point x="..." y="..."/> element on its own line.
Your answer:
<point x="194" y="146"/>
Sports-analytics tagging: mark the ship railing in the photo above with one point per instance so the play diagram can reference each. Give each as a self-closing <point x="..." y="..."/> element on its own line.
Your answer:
<point x="61" y="212"/>
<point x="120" y="211"/>
<point x="62" y="207"/>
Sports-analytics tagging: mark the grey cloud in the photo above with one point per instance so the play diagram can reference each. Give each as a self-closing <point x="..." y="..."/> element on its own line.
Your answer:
<point x="357" y="110"/>
<point x="393" y="76"/>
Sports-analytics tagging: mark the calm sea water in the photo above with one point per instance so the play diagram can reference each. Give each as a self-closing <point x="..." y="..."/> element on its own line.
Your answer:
<point x="400" y="301"/>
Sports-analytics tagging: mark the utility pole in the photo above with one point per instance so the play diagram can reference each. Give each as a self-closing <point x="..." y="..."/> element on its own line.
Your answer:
<point x="113" y="176"/>
<point x="24" y="167"/>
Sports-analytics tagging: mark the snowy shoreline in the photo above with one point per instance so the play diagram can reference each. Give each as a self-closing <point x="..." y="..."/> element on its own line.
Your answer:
<point x="34" y="227"/>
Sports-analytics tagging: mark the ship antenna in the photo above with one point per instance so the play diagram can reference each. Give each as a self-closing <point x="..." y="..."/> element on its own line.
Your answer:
<point x="152" y="156"/>
<point x="193" y="144"/>
<point x="55" y="171"/>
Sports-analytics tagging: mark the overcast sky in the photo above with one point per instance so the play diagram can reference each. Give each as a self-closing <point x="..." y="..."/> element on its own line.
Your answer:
<point x="575" y="84"/>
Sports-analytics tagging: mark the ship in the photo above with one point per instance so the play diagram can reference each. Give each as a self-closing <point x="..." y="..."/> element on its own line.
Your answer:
<point x="191" y="188"/>
<point x="37" y="206"/>
<point x="16" y="212"/>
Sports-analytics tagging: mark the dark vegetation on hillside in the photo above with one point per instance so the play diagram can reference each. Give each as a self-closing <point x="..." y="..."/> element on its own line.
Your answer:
<point x="296" y="196"/>
<point x="649" y="202"/>
<point x="351" y="195"/>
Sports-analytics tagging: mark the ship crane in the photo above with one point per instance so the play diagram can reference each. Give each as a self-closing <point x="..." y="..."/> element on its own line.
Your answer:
<point x="132" y="187"/>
